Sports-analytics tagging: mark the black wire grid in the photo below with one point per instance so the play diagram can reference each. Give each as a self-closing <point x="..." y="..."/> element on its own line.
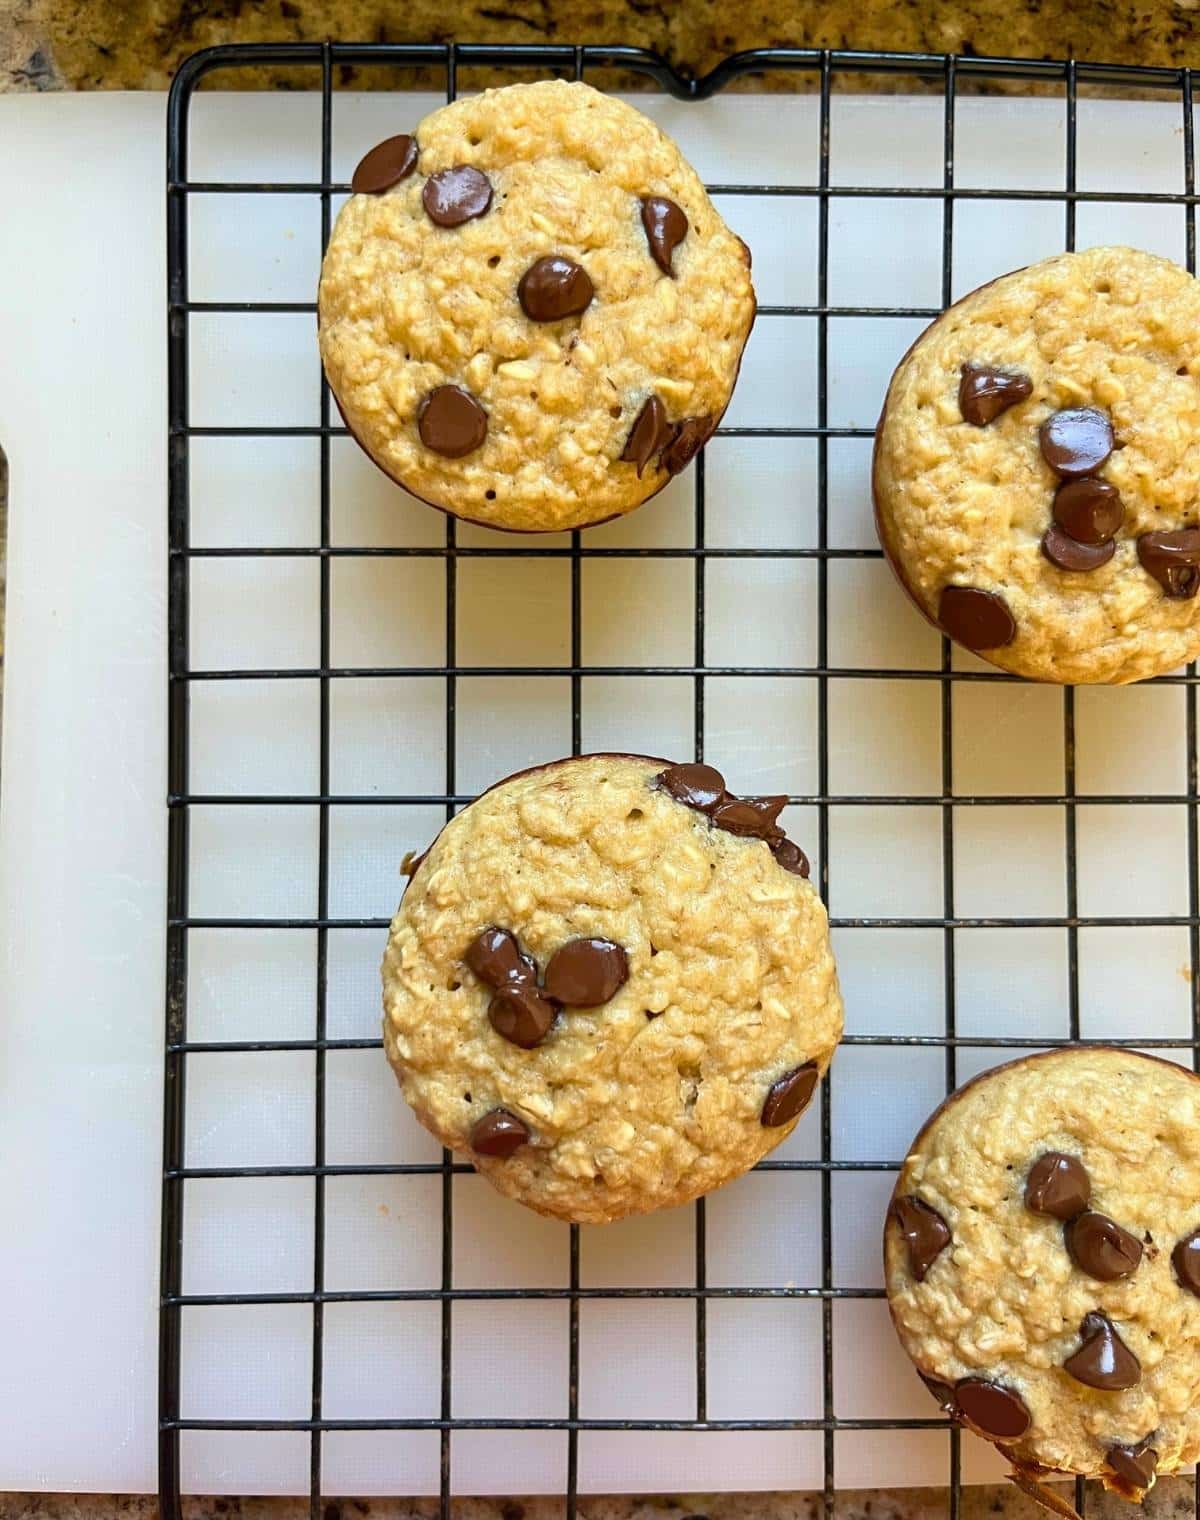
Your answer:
<point x="822" y="69"/>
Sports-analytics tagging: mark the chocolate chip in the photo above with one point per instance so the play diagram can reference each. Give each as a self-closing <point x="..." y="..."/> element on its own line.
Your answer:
<point x="1065" y="552"/>
<point x="584" y="973"/>
<point x="1101" y="1248"/>
<point x="454" y="196"/>
<point x="926" y="1234"/>
<point x="977" y="619"/>
<point x="791" y="857"/>
<point x="521" y="1014"/>
<point x="790" y="1095"/>
<point x="451" y="422"/>
<point x="385" y="165"/>
<point x="1134" y="1465"/>
<point x="984" y="392"/>
<point x="1089" y="510"/>
<point x="498" y="1133"/>
<point x="1185" y="1258"/>
<point x="650" y="433"/>
<point x="1076" y="441"/>
<point x="554" y="288"/>
<point x="750" y="817"/>
<point x="1104" y="1361"/>
<point x="496" y="958"/>
<point x="1173" y="559"/>
<point x="1058" y="1185"/>
<point x="995" y="1412"/>
<point x="690" y="437"/>
<point x="942" y="1392"/>
<point x="697" y="786"/>
<point x="666" y="227"/>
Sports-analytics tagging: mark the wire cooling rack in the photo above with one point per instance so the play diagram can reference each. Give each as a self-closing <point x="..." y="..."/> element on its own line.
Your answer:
<point x="328" y="67"/>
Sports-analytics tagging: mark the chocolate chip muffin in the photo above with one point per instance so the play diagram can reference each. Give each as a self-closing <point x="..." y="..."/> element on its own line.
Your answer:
<point x="1037" y="469"/>
<point x="1042" y="1257"/>
<point x="531" y="314"/>
<point x="610" y="983"/>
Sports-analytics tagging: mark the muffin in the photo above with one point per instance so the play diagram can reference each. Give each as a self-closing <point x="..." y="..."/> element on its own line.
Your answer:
<point x="1042" y="1260"/>
<point x="531" y="314"/>
<point x="1037" y="469"/>
<point x="610" y="984"/>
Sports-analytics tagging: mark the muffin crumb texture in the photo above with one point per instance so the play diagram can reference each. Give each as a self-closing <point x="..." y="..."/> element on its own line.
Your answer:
<point x="693" y="990"/>
<point x="1037" y="469"/>
<point x="551" y="256"/>
<point x="1040" y="1255"/>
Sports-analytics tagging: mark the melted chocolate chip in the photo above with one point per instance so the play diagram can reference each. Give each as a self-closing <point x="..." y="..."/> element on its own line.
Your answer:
<point x="385" y="165"/>
<point x="1076" y="441"/>
<point x="1065" y="552"/>
<point x="584" y="973"/>
<point x="1185" y="1258"/>
<point x="650" y="434"/>
<point x="1134" y="1465"/>
<point x="451" y="422"/>
<point x="498" y="1133"/>
<point x="1089" y="510"/>
<point x="521" y="1014"/>
<point x="750" y="817"/>
<point x="985" y="392"/>
<point x="554" y="288"/>
<point x="690" y="437"/>
<point x="1173" y="559"/>
<point x="791" y="857"/>
<point x="977" y="619"/>
<point x="925" y="1233"/>
<point x="995" y="1412"/>
<point x="1058" y="1185"/>
<point x="666" y="227"/>
<point x="697" y="786"/>
<point x="1101" y="1248"/>
<point x="790" y="1095"/>
<point x="496" y="958"/>
<point x="454" y="196"/>
<point x="1104" y="1361"/>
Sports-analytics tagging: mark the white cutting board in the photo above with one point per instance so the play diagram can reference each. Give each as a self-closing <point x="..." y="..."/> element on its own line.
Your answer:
<point x="82" y="822"/>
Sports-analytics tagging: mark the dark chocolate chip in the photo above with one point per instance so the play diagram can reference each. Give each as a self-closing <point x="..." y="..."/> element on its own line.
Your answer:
<point x="995" y="1412"/>
<point x="385" y="165"/>
<point x="1134" y="1465"/>
<point x="1058" y="1185"/>
<point x="1103" y="1361"/>
<point x="1101" y="1248"/>
<point x="942" y="1392"/>
<point x="554" y="288"/>
<point x="1076" y="441"/>
<point x="984" y="392"/>
<point x="790" y="1095"/>
<point x="977" y="619"/>
<point x="496" y="958"/>
<point x="666" y="227"/>
<point x="1185" y="1258"/>
<point x="1173" y="559"/>
<point x="454" y="196"/>
<point x="584" y="973"/>
<point x="1089" y="510"/>
<point x="521" y="1014"/>
<point x="649" y="435"/>
<point x="791" y="857"/>
<point x="750" y="817"/>
<point x="451" y="422"/>
<point x="925" y="1233"/>
<point x="1068" y="554"/>
<point x="690" y="437"/>
<point x="697" y="786"/>
<point x="498" y="1133"/>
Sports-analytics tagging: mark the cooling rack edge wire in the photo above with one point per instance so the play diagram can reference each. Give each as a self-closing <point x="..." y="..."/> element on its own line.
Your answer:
<point x="823" y="68"/>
